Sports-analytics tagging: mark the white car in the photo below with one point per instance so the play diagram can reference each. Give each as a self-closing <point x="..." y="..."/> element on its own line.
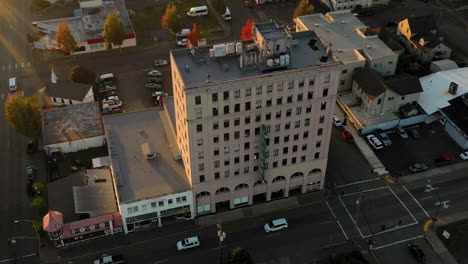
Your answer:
<point x="374" y="141"/>
<point x="336" y="121"/>
<point x="154" y="73"/>
<point x="182" y="42"/>
<point x="464" y="155"/>
<point x="187" y="243"/>
<point x="276" y="225"/>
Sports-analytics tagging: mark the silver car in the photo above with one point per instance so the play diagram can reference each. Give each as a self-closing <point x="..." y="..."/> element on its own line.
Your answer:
<point x="384" y="138"/>
<point x="401" y="132"/>
<point x="153" y="85"/>
<point x="418" y="167"/>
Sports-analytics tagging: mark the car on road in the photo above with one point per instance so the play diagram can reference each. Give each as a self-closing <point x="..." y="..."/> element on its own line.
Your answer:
<point x="30" y="146"/>
<point x="153" y="85"/>
<point x="384" y="138"/>
<point x="416" y="251"/>
<point x="276" y="225"/>
<point x="182" y="42"/>
<point x="336" y="121"/>
<point x="154" y="73"/>
<point x="347" y="135"/>
<point x="187" y="243"/>
<point x="401" y="132"/>
<point x="154" y="80"/>
<point x="31" y="173"/>
<point x="444" y="160"/>
<point x="417" y="167"/>
<point x="159" y="63"/>
<point x="374" y="142"/>
<point x="107" y="259"/>
<point x="413" y="131"/>
<point x="464" y="155"/>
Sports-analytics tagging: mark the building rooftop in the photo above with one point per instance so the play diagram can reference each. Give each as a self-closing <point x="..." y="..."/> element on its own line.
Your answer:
<point x="370" y="81"/>
<point x="68" y="89"/>
<point x="71" y="123"/>
<point x="97" y="196"/>
<point x="270" y="31"/>
<point x="404" y="84"/>
<point x="422" y="24"/>
<point x="137" y="177"/>
<point x="350" y="38"/>
<point x="391" y="40"/>
<point x="436" y="88"/>
<point x="458" y="112"/>
<point x="90" y="24"/>
<point x="443" y="65"/>
<point x="306" y="51"/>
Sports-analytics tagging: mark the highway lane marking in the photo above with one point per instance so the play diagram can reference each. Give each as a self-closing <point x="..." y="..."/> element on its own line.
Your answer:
<point x="425" y="198"/>
<point x="277" y="234"/>
<point x="409" y="212"/>
<point x="337" y="221"/>
<point x="350" y="216"/>
<point x="363" y="191"/>
<point x="417" y="202"/>
<point x="162" y="261"/>
<point x="359" y="182"/>
<point x="327" y="222"/>
<point x="398" y="242"/>
<point x="18" y="258"/>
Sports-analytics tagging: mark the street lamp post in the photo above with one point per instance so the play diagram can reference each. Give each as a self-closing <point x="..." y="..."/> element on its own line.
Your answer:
<point x="37" y="234"/>
<point x="221" y="236"/>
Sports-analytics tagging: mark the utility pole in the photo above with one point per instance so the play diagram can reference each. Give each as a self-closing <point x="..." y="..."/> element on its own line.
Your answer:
<point x="221" y="236"/>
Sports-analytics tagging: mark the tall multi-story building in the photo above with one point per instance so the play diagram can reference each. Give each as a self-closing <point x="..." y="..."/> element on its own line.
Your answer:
<point x="352" y="43"/>
<point x="253" y="118"/>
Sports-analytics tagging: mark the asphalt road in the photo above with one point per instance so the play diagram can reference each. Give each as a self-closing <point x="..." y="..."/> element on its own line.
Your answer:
<point x="14" y="62"/>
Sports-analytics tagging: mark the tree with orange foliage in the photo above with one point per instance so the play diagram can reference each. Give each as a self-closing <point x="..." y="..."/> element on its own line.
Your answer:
<point x="247" y="29"/>
<point x="65" y="38"/>
<point x="171" y="20"/>
<point x="193" y="37"/>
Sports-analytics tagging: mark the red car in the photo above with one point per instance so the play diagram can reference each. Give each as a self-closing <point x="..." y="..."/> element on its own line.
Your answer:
<point x="444" y="160"/>
<point x="347" y="135"/>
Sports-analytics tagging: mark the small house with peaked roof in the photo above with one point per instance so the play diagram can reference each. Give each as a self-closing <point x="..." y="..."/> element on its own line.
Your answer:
<point x="420" y="37"/>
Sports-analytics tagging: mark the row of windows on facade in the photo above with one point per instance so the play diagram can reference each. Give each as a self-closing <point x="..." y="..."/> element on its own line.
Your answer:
<point x="144" y="207"/>
<point x="62" y="100"/>
<point x="275" y="164"/>
<point x="258" y="103"/>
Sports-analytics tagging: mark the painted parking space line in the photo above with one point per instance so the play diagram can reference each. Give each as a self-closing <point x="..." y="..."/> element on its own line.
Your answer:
<point x="334" y="245"/>
<point x="326" y="222"/>
<point x="425" y="198"/>
<point x="359" y="182"/>
<point x="162" y="261"/>
<point x="424" y="210"/>
<point x="398" y="242"/>
<point x="272" y="235"/>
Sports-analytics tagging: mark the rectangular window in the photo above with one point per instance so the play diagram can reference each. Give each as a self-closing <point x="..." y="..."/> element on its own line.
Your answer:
<point x="325" y="92"/>
<point x="319" y="131"/>
<point x="303" y="158"/>
<point x="307" y="122"/>
<point x="226" y="123"/>
<point x="201" y="178"/>
<point x="297" y="124"/>
<point x="318" y="144"/>
<point x="226" y="109"/>
<point x="269" y="88"/>
<point x="199" y="128"/>
<point x="326" y="79"/>
<point x="236" y="171"/>
<point x="308" y="109"/>
<point x="278" y="114"/>
<point x="200" y="142"/>
<point x="321" y="119"/>
<point x="296" y="136"/>
<point x="226" y="162"/>
<point x="277" y="127"/>
<point x="236" y="93"/>
<point x="247" y="92"/>
<point x="197" y="100"/>
<point x="305" y="135"/>
<point x="259" y="90"/>
<point x="237" y="122"/>
<point x="268" y="116"/>
<point x="269" y="102"/>
<point x="216" y="152"/>
<point x="226" y="149"/>
<point x="284" y="162"/>
<point x="216" y="164"/>
<point x="201" y="166"/>
<point x="226" y="95"/>
<point x="153" y="205"/>
<point x="290" y="84"/>
<point x="276" y="140"/>
<point x="216" y="175"/>
<point x="276" y="152"/>
<point x="216" y="139"/>
<point x="290" y="98"/>
<point x="258" y="104"/>
<point x="287" y="125"/>
<point x="317" y="155"/>
<point x="236" y="134"/>
<point x="293" y="160"/>
<point x="161" y="203"/>
<point x="258" y="118"/>
<point x="285" y="150"/>
<point x="200" y="154"/>
<point x="279" y="100"/>
<point x="304" y="147"/>
<point x="215" y="111"/>
<point x="247" y="106"/>
<point x="301" y="84"/>
<point x="246" y="170"/>
<point x="236" y="147"/>
<point x="226" y="136"/>
<point x="247" y="120"/>
<point x="299" y="97"/>
<point x="178" y="200"/>
<point x="246" y="145"/>
<point x="275" y="164"/>
<point x="214" y="97"/>
<point x="198" y="115"/>
<point x="310" y="95"/>
<point x="247" y="133"/>
<point x="323" y="106"/>
<point x="246" y="158"/>
<point x="288" y="112"/>
<point x="312" y="81"/>
<point x="298" y="110"/>
<point x="279" y="86"/>
<point x="227" y="174"/>
<point x="237" y="108"/>
<point x="215" y="125"/>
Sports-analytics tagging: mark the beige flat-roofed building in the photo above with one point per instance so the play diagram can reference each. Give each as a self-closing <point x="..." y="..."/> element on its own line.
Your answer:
<point x="352" y="42"/>
<point x="253" y="118"/>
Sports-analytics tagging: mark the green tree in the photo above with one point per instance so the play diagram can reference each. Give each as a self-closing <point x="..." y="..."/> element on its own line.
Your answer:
<point x="39" y="204"/>
<point x="81" y="74"/>
<point x="24" y="115"/>
<point x="239" y="256"/>
<point x="219" y="6"/>
<point x="304" y="8"/>
<point x="38" y="188"/>
<point x="114" y="32"/>
<point x="171" y="20"/>
<point x="65" y="38"/>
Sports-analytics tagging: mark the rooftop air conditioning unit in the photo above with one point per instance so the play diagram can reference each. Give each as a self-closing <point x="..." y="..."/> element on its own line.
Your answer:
<point x="148" y="151"/>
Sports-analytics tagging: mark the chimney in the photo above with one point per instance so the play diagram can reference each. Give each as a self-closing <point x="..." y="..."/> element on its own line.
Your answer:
<point x="453" y="88"/>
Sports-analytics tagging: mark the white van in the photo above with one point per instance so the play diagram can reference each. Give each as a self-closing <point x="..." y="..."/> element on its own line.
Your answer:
<point x="183" y="33"/>
<point x="227" y="15"/>
<point x="12" y="85"/>
<point x="106" y="77"/>
<point x="198" y="11"/>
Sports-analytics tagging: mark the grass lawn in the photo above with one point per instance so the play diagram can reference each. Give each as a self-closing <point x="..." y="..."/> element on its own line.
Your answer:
<point x="147" y="21"/>
<point x="458" y="240"/>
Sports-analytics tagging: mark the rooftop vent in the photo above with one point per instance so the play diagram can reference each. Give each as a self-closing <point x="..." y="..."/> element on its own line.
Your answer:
<point x="187" y="69"/>
<point x="317" y="25"/>
<point x="148" y="151"/>
<point x="369" y="47"/>
<point x="453" y="88"/>
<point x="340" y="50"/>
<point x="343" y="22"/>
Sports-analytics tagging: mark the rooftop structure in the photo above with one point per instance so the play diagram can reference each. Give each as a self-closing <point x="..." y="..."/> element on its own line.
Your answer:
<point x="351" y="42"/>
<point x="72" y="123"/>
<point x="245" y="59"/>
<point x="441" y="87"/>
<point x="137" y="175"/>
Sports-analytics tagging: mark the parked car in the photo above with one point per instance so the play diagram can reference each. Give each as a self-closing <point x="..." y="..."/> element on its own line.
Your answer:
<point x="183" y="33"/>
<point x="154" y="73"/>
<point x="215" y="30"/>
<point x="416" y="251"/>
<point x="464" y="155"/>
<point x="31" y="173"/>
<point x="106" y="259"/>
<point x="401" y="132"/>
<point x="347" y="135"/>
<point x="374" y="142"/>
<point x="159" y="63"/>
<point x="275" y="225"/>
<point x="157" y="96"/>
<point x="187" y="243"/>
<point x="413" y="131"/>
<point x="444" y="160"/>
<point x="336" y="121"/>
<point x="154" y="80"/>
<point x="153" y="85"/>
<point x="418" y="167"/>
<point x="182" y="43"/>
<point x="384" y="138"/>
<point x="30" y="146"/>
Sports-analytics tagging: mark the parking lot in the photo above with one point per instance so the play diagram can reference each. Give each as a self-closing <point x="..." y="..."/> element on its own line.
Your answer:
<point x="402" y="153"/>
